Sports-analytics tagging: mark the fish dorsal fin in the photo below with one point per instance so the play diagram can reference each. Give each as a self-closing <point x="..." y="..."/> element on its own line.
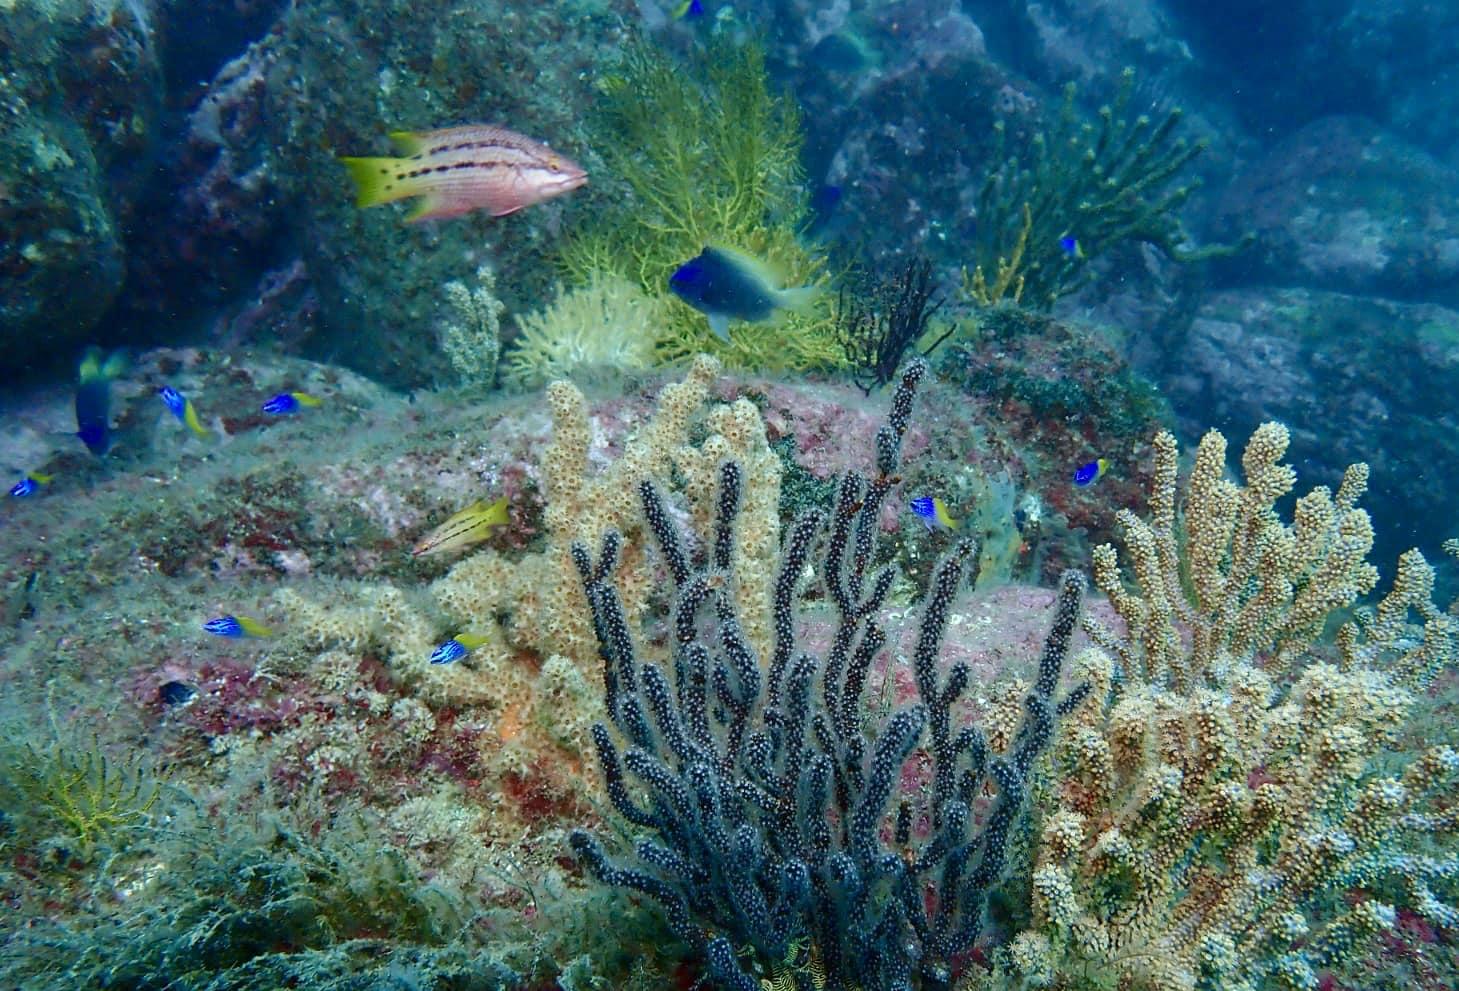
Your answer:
<point x="408" y="142"/>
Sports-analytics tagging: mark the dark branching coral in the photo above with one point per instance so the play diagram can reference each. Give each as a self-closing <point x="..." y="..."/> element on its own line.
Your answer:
<point x="1098" y="184"/>
<point x="778" y="846"/>
<point x="878" y="323"/>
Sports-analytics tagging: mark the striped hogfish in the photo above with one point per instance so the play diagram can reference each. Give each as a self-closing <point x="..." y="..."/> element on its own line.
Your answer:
<point x="460" y="169"/>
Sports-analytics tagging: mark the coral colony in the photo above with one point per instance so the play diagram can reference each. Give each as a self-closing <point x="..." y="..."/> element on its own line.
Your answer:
<point x="769" y="798"/>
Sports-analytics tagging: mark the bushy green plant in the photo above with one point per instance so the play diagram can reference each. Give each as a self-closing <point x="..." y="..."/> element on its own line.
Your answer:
<point x="319" y="901"/>
<point x="62" y="783"/>
<point x="1097" y="184"/>
<point x="707" y="154"/>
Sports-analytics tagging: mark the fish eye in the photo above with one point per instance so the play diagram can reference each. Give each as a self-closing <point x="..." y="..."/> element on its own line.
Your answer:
<point x="554" y="165"/>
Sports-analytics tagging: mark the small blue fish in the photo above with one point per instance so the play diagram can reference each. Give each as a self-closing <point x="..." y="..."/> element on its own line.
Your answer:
<point x="1070" y="246"/>
<point x="456" y="648"/>
<point x="181" y="407"/>
<point x="29" y="485"/>
<point x="1090" y="473"/>
<point x="93" y="397"/>
<point x="726" y="285"/>
<point x="237" y="626"/>
<point x="688" y="10"/>
<point x="933" y="512"/>
<point x="289" y="402"/>
<point x="449" y="652"/>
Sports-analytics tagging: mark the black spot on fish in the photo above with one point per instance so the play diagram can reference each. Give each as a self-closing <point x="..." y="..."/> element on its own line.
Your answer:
<point x="384" y="171"/>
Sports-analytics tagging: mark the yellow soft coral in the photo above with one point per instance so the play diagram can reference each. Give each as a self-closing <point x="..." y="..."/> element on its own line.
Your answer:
<point x="711" y="156"/>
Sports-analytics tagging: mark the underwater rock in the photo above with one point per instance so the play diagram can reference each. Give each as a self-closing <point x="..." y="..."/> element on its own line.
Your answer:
<point x="1354" y="378"/>
<point x="336" y="87"/>
<point x="80" y="91"/>
<point x="1344" y="205"/>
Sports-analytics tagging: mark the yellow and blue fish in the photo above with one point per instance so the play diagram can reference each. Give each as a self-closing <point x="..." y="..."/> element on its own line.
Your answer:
<point x="726" y="285"/>
<point x="1090" y="473"/>
<point x="93" y="397"/>
<point x="457" y="647"/>
<point x="29" y="485"/>
<point x="933" y="512"/>
<point x="470" y="526"/>
<point x="182" y="407"/>
<point x="237" y="626"/>
<point x="290" y="402"/>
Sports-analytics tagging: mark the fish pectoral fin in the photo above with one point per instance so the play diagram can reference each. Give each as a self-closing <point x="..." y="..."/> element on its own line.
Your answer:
<point x="438" y="206"/>
<point x="508" y="211"/>
<point x="719" y="323"/>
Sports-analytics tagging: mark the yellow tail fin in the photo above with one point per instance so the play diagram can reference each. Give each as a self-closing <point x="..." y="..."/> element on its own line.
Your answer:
<point x="378" y="180"/>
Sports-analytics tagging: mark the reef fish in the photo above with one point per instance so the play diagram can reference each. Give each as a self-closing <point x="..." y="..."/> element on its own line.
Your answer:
<point x="1090" y="473"/>
<point x="237" y="626"/>
<point x="29" y="485"/>
<point x="1070" y="246"/>
<point x="470" y="526"/>
<point x="933" y="512"/>
<point x="688" y="10"/>
<point x="93" y="398"/>
<point x="182" y="407"/>
<point x="289" y="402"/>
<point x="726" y="285"/>
<point x="460" y="169"/>
<point x="457" y="647"/>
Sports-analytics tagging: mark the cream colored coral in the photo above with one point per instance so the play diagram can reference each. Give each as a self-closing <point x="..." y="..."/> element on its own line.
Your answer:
<point x="608" y="325"/>
<point x="1227" y="732"/>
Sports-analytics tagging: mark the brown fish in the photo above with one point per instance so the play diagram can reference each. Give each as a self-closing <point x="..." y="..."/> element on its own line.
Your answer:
<point x="460" y="169"/>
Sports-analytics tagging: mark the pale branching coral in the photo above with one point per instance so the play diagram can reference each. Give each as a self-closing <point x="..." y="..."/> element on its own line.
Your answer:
<point x="1229" y="777"/>
<point x="610" y="324"/>
<point x="531" y="606"/>
<point x="472" y="337"/>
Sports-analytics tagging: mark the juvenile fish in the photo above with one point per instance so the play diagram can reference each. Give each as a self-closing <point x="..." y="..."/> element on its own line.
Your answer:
<point x="460" y="169"/>
<point x="182" y="407"/>
<point x="1090" y="473"/>
<point x="470" y="526"/>
<point x="290" y="402"/>
<point x="933" y="512"/>
<point x="237" y="626"/>
<point x="29" y="485"/>
<point x="457" y="647"/>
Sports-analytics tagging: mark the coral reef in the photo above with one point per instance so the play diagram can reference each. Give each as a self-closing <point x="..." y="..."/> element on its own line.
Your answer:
<point x="1223" y="786"/>
<point x="776" y="849"/>
<point x="71" y="783"/>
